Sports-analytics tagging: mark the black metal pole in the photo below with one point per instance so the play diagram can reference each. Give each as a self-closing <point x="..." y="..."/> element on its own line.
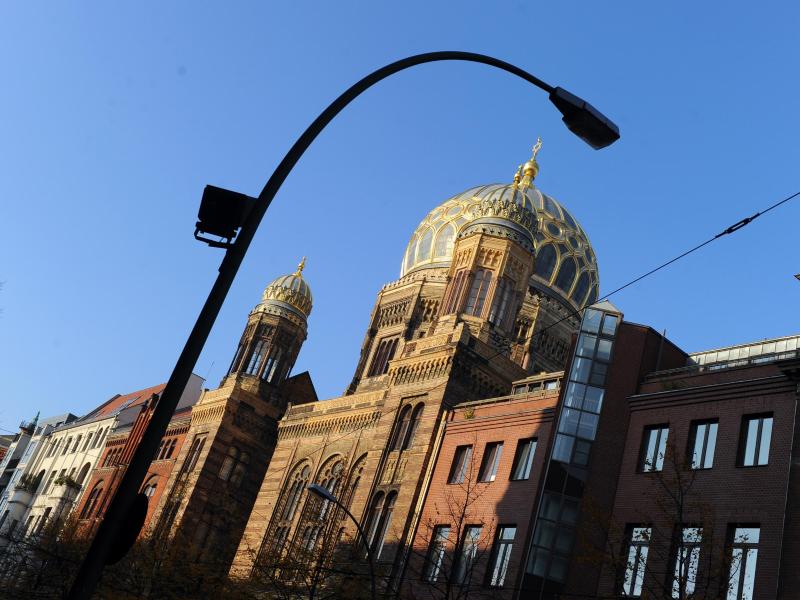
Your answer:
<point x="92" y="566"/>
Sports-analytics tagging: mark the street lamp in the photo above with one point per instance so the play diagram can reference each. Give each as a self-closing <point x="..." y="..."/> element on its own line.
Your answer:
<point x="236" y="228"/>
<point x="323" y="493"/>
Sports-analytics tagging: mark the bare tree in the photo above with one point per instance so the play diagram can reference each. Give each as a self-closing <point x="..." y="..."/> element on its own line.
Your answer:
<point x="675" y="553"/>
<point x="455" y="541"/>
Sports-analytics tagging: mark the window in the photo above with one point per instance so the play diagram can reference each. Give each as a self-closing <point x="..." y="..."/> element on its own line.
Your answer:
<point x="77" y="443"/>
<point x="654" y="448"/>
<point x="150" y="487"/>
<point x="256" y="358"/>
<point x="406" y="428"/>
<point x="636" y="560"/>
<point x="523" y="461"/>
<point x="501" y="554"/>
<point x="228" y="463"/>
<point x="466" y="554"/>
<point x="194" y="453"/>
<point x="477" y="292"/>
<point x="703" y="442"/>
<point x="170" y="448"/>
<point x="293" y="491"/>
<point x="490" y="462"/>
<point x="92" y="501"/>
<point x="66" y="446"/>
<point x="687" y="561"/>
<point x="436" y="553"/>
<point x="383" y="354"/>
<point x="273" y="365"/>
<point x="744" y="552"/>
<point x="380" y="519"/>
<point x="456" y="291"/>
<point x="461" y="461"/>
<point x="756" y="437"/>
<point x="502" y="306"/>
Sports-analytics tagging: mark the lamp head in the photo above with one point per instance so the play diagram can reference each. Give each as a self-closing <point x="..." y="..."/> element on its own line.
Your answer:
<point x="322" y="492"/>
<point x="584" y="120"/>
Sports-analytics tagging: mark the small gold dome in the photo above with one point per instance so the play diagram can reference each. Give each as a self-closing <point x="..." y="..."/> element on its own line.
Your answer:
<point x="290" y="292"/>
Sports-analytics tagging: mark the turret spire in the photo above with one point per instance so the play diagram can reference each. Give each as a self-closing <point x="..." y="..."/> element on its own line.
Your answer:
<point x="531" y="168"/>
<point x="300" y="267"/>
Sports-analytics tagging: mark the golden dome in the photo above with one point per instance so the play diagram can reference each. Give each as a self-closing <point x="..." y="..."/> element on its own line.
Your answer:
<point x="565" y="261"/>
<point x="290" y="292"/>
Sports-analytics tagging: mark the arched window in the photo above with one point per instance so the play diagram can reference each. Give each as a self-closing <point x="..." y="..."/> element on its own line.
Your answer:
<point x="581" y="288"/>
<point x="77" y="443"/>
<point x="566" y="274"/>
<point x="150" y="486"/>
<point x="413" y="426"/>
<point x="256" y="358"/>
<point x="353" y="482"/>
<point x="453" y="302"/>
<point x="40" y="479"/>
<point x="502" y="305"/>
<point x="411" y="254"/>
<point x="194" y="452"/>
<point x="380" y="520"/>
<point x="293" y="491"/>
<point x="66" y="446"/>
<point x="424" y="249"/>
<point x="88" y="441"/>
<point x="546" y="258"/>
<point x="83" y="473"/>
<point x="402" y="428"/>
<point x="444" y="241"/>
<point x="237" y="358"/>
<point x="273" y="362"/>
<point x="227" y="465"/>
<point x="477" y="292"/>
<point x="240" y="469"/>
<point x="383" y="354"/>
<point x="92" y="501"/>
<point x="170" y="448"/>
<point x="330" y="477"/>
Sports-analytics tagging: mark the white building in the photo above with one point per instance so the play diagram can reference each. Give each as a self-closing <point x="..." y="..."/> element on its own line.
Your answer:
<point x="68" y="454"/>
<point x="15" y="496"/>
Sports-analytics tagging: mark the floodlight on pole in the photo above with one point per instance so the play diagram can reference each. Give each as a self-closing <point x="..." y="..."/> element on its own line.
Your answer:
<point x="234" y="219"/>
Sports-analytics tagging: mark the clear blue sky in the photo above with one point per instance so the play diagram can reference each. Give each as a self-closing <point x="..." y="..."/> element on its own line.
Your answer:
<point x="113" y="117"/>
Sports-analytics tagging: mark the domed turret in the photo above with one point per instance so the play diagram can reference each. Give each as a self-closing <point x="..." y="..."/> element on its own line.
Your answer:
<point x="290" y="292"/>
<point x="565" y="262"/>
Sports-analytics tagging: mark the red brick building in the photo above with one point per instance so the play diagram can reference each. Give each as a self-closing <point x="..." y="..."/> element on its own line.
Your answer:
<point x="477" y="512"/>
<point x="116" y="454"/>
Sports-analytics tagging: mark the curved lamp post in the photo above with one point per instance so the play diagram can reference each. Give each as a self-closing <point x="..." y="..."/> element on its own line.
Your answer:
<point x="323" y="493"/>
<point x="222" y="213"/>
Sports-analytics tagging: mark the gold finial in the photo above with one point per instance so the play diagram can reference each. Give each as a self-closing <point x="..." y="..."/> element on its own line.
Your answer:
<point x="300" y="267"/>
<point x="531" y="168"/>
<point x="517" y="176"/>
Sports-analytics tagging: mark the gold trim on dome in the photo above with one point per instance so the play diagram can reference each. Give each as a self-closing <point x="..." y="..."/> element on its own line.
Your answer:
<point x="291" y="297"/>
<point x="506" y="209"/>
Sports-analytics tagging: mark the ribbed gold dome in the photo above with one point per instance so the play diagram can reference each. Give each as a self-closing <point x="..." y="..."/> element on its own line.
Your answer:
<point x="565" y="261"/>
<point x="290" y="292"/>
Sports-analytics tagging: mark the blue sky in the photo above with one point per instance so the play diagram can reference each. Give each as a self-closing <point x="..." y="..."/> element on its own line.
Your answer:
<point x="113" y="117"/>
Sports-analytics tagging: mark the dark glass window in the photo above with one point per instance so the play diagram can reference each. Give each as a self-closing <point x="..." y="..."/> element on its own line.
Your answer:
<point x="654" y="448"/>
<point x="636" y="560"/>
<point x="703" y="442"/>
<point x="256" y="358"/>
<point x="501" y="554"/>
<point x="546" y="258"/>
<point x="436" y="553"/>
<point x="383" y="354"/>
<point x="465" y="560"/>
<point x="523" y="461"/>
<point x="687" y="562"/>
<point x="566" y="274"/>
<point x="491" y="461"/>
<point x="461" y="462"/>
<point x="502" y="308"/>
<point x="744" y="553"/>
<point x="755" y="441"/>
